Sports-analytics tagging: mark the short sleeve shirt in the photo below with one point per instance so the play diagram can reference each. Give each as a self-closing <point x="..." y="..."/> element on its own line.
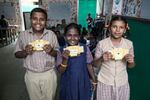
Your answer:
<point x="113" y="72"/>
<point x="39" y="61"/>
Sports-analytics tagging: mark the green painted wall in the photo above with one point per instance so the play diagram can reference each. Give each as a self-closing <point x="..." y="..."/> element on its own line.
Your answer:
<point x="139" y="77"/>
<point x="85" y="7"/>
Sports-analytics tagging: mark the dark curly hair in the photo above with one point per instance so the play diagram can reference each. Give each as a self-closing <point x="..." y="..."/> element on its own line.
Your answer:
<point x="39" y="10"/>
<point x="72" y="26"/>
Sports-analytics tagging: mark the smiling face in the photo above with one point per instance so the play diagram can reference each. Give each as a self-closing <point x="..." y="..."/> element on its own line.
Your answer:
<point x="72" y="37"/>
<point x="117" y="29"/>
<point x="38" y="22"/>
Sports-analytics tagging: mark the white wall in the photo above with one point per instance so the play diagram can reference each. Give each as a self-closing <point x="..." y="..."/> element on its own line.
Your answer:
<point x="58" y="11"/>
<point x="145" y="9"/>
<point x="99" y="4"/>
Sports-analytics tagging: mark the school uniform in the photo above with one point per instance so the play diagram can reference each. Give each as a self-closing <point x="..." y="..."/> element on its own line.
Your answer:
<point x="112" y="77"/>
<point x="75" y="82"/>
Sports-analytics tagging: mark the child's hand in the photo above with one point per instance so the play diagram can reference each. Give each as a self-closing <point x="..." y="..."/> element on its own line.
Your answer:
<point x="107" y="56"/>
<point x="47" y="48"/>
<point x="94" y="85"/>
<point x="29" y="49"/>
<point x="129" y="58"/>
<point x="66" y="54"/>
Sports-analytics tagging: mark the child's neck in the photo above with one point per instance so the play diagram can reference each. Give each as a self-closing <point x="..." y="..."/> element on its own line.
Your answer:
<point x="115" y="42"/>
<point x="39" y="34"/>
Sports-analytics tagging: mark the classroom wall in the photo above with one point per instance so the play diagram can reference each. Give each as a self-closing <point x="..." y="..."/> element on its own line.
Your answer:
<point x="145" y="12"/>
<point x="11" y="10"/>
<point x="139" y="76"/>
<point x="72" y="10"/>
<point x="85" y="7"/>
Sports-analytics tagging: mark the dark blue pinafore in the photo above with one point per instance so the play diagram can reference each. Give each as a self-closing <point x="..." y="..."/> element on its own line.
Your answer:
<point x="75" y="82"/>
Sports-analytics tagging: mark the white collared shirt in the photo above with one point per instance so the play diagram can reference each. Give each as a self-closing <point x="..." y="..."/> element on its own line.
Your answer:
<point x="113" y="72"/>
<point x="39" y="61"/>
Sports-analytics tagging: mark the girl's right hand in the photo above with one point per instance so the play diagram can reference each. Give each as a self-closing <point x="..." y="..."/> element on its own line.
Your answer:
<point x="66" y="54"/>
<point x="107" y="56"/>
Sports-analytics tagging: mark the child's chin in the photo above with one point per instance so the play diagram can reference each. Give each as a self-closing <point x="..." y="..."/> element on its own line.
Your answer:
<point x="71" y="44"/>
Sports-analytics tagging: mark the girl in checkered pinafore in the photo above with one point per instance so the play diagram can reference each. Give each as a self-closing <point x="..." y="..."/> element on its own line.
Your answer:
<point x="113" y="78"/>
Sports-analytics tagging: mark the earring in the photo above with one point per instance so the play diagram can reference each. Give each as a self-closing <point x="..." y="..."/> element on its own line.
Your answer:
<point x="124" y="32"/>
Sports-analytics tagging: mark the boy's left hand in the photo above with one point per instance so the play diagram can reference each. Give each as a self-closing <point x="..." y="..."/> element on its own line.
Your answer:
<point x="47" y="48"/>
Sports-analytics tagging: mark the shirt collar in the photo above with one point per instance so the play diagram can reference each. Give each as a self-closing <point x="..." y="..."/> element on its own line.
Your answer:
<point x="31" y="31"/>
<point x="118" y="44"/>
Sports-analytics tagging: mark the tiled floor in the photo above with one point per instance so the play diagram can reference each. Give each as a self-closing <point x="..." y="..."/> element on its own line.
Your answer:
<point x="12" y="85"/>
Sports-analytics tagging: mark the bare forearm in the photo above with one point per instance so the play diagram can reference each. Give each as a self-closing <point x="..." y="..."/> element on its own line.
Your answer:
<point x="91" y="72"/>
<point x="98" y="62"/>
<point x="21" y="54"/>
<point x="62" y="67"/>
<point x="53" y="53"/>
<point x="131" y="65"/>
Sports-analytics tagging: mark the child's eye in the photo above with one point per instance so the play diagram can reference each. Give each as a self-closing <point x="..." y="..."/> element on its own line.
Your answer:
<point x="122" y="27"/>
<point x="113" y="26"/>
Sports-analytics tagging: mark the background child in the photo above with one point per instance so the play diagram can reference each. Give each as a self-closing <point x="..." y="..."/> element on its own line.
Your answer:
<point x="112" y="78"/>
<point x="75" y="70"/>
